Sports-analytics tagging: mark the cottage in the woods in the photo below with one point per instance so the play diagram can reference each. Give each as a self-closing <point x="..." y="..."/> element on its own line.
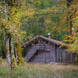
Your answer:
<point x="45" y="50"/>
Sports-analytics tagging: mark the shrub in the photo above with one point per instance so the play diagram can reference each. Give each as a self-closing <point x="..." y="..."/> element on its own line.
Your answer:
<point x="0" y="60"/>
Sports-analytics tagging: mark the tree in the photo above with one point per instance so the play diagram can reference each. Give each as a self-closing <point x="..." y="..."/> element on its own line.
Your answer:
<point x="11" y="23"/>
<point x="73" y="41"/>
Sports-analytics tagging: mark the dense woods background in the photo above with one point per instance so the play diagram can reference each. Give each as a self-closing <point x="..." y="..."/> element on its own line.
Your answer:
<point x="21" y="20"/>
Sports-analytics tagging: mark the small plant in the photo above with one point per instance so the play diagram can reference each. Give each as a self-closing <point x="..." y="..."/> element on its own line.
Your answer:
<point x="0" y="60"/>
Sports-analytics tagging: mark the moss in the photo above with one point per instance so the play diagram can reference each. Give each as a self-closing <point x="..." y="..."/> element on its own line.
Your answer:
<point x="19" y="52"/>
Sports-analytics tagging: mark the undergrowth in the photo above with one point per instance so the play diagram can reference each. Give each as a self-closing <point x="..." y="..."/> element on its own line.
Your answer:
<point x="40" y="71"/>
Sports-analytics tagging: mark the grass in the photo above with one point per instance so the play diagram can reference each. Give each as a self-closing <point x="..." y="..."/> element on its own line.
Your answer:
<point x="39" y="71"/>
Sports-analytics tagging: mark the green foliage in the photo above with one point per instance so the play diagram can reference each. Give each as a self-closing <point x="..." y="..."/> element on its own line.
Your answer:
<point x="42" y="4"/>
<point x="0" y="60"/>
<point x="73" y="40"/>
<point x="47" y="18"/>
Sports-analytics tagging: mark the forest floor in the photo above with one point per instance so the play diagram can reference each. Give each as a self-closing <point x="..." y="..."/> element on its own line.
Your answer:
<point x="39" y="71"/>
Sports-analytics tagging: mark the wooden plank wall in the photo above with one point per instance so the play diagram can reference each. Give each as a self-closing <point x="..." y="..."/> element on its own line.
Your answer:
<point x="64" y="57"/>
<point x="46" y="53"/>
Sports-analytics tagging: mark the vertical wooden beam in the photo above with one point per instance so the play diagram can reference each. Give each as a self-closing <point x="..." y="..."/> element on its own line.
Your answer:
<point x="55" y="53"/>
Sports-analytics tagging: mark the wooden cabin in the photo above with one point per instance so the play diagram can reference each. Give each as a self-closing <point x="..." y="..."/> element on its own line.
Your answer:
<point x="45" y="50"/>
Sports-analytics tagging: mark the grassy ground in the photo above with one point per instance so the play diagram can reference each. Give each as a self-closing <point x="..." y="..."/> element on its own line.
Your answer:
<point x="39" y="71"/>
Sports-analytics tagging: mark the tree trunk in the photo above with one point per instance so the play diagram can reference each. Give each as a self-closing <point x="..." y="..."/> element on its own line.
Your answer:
<point x="69" y="2"/>
<point x="10" y="53"/>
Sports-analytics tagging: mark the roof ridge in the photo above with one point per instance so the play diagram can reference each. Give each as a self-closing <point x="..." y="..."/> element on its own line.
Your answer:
<point x="45" y="38"/>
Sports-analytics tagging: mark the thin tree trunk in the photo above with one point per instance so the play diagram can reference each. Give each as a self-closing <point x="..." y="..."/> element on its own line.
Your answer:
<point x="10" y="51"/>
<point x="69" y="2"/>
<point x="8" y="54"/>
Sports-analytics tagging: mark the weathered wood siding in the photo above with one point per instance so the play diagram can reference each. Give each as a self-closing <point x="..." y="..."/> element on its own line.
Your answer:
<point x="64" y="57"/>
<point x="43" y="52"/>
<point x="41" y="57"/>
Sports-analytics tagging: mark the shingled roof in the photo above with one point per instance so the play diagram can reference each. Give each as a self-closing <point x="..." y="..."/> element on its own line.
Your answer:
<point x="43" y="38"/>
